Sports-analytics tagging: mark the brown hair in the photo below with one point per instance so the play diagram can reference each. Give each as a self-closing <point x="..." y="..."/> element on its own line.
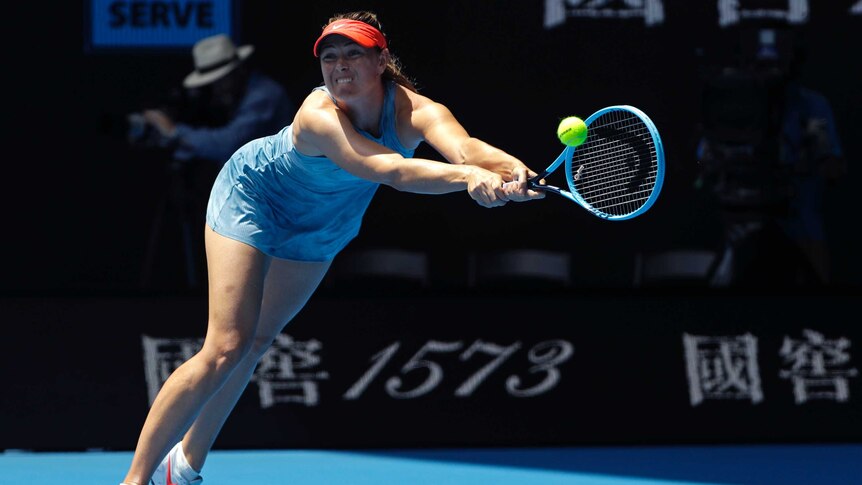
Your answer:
<point x="394" y="71"/>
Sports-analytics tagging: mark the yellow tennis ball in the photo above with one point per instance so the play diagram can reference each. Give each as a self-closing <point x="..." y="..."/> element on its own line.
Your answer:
<point x="572" y="131"/>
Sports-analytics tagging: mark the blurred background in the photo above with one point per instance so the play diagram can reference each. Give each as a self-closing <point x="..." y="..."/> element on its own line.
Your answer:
<point x="83" y="202"/>
<point x="757" y="103"/>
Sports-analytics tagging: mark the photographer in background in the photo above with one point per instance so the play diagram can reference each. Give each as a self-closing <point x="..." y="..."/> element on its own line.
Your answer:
<point x="770" y="149"/>
<point x="238" y="104"/>
<point x="812" y="150"/>
<point x="226" y="103"/>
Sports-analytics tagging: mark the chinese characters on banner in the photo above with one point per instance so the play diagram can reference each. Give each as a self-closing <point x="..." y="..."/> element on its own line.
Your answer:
<point x="728" y="12"/>
<point x="726" y="367"/>
<point x="556" y="11"/>
<point x="818" y="367"/>
<point x="162" y="356"/>
<point x="722" y="368"/>
<point x="732" y="12"/>
<point x="716" y="367"/>
<point x="292" y="370"/>
<point x="288" y="372"/>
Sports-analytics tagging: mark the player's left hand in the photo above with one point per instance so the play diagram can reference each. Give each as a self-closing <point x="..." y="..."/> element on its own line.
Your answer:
<point x="518" y="190"/>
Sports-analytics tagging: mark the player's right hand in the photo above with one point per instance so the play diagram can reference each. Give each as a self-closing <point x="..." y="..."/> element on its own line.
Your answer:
<point x="486" y="188"/>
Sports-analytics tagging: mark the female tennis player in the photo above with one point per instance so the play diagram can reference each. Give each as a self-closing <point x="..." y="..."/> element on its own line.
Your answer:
<point x="284" y="206"/>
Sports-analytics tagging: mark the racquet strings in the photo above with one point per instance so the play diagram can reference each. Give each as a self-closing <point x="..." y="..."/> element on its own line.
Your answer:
<point x="615" y="169"/>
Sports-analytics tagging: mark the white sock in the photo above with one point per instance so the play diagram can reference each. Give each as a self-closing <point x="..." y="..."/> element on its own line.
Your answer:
<point x="181" y="465"/>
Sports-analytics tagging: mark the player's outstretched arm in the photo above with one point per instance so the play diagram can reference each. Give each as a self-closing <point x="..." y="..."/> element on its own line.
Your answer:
<point x="438" y="127"/>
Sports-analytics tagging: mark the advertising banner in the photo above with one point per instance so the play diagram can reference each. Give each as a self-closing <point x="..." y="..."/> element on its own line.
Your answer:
<point x="450" y="370"/>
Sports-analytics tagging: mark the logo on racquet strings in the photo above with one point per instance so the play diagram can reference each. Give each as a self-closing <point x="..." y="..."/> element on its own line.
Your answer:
<point x="638" y="155"/>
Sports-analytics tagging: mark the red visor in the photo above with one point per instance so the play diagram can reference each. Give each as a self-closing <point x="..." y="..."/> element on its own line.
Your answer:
<point x="359" y="32"/>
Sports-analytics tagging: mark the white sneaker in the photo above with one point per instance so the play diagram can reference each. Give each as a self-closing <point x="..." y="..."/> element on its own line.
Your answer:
<point x="166" y="474"/>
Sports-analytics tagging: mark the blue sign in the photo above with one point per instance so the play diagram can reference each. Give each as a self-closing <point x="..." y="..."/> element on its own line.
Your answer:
<point x="157" y="23"/>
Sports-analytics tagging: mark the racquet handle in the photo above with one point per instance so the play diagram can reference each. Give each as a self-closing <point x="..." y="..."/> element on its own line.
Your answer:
<point x="534" y="184"/>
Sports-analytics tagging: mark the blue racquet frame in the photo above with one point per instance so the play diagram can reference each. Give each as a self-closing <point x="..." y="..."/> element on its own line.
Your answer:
<point x="638" y="139"/>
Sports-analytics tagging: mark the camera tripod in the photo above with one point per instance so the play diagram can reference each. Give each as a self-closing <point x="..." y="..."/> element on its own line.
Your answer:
<point x="179" y="205"/>
<point x="756" y="252"/>
<point x="734" y="253"/>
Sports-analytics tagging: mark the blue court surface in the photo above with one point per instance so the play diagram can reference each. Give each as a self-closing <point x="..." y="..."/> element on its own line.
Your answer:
<point x="754" y="464"/>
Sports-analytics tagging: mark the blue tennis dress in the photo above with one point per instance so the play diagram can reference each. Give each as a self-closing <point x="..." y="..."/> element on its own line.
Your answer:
<point x="292" y="206"/>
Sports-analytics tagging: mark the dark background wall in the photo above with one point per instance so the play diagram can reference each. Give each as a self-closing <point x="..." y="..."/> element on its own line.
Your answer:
<point x="78" y="204"/>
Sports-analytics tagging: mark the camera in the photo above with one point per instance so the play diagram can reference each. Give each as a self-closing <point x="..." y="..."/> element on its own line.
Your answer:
<point x="132" y="128"/>
<point x="742" y="111"/>
<point x="740" y="147"/>
<point x="181" y="105"/>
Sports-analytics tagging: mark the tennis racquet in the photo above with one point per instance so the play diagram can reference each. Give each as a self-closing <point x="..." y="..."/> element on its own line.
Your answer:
<point x="617" y="172"/>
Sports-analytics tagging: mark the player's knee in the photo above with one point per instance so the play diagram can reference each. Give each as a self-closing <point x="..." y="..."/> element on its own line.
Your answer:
<point x="227" y="351"/>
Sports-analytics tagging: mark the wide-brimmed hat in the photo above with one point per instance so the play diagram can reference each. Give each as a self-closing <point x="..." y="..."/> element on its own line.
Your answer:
<point x="214" y="58"/>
